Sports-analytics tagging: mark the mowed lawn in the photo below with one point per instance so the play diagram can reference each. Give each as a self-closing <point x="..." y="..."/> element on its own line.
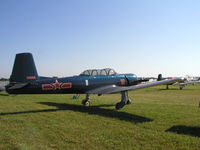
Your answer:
<point x="157" y="119"/>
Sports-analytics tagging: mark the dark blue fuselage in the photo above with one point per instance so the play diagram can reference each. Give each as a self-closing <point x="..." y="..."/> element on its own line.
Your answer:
<point x="73" y="85"/>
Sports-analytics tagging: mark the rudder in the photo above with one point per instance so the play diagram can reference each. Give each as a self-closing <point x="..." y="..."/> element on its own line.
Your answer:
<point x="24" y="69"/>
<point x="159" y="77"/>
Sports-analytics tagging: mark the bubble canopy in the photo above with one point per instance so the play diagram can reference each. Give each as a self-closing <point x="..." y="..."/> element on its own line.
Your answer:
<point x="99" y="72"/>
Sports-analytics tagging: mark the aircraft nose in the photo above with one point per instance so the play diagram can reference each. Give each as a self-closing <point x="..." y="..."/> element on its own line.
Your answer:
<point x="131" y="78"/>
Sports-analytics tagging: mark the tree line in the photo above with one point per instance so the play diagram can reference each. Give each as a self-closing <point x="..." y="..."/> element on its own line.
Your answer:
<point x="3" y="79"/>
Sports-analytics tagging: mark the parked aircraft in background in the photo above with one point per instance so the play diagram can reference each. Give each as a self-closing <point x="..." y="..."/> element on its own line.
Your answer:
<point x="25" y="80"/>
<point x="181" y="84"/>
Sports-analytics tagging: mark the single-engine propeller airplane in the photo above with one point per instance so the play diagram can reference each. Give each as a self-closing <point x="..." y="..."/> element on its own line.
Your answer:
<point x="25" y="80"/>
<point x="181" y="84"/>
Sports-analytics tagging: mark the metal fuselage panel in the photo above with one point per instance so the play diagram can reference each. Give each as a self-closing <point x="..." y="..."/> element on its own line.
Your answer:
<point x="72" y="85"/>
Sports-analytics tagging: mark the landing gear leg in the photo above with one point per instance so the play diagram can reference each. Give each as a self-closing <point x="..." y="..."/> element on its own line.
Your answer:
<point x="86" y="101"/>
<point x="128" y="99"/>
<point x="167" y="87"/>
<point x="124" y="100"/>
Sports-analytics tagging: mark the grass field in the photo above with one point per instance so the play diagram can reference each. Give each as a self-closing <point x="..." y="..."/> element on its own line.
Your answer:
<point x="157" y="119"/>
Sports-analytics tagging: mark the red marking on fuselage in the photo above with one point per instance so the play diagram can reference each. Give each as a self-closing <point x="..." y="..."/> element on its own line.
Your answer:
<point x="172" y="77"/>
<point x="122" y="81"/>
<point x="66" y="85"/>
<point x="56" y="85"/>
<point x="30" y="77"/>
<point x="47" y="87"/>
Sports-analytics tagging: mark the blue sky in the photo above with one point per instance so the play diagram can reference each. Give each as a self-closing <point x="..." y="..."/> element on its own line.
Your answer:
<point x="145" y="37"/>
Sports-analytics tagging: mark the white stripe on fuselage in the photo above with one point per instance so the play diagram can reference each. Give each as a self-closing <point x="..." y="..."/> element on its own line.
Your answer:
<point x="86" y="82"/>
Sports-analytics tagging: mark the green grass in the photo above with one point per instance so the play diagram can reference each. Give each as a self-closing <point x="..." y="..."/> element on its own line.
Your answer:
<point x="157" y="119"/>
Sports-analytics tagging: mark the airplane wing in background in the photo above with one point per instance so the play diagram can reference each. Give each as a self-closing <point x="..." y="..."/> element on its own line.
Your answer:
<point x="2" y="85"/>
<point x="115" y="89"/>
<point x="2" y="88"/>
<point x="186" y="82"/>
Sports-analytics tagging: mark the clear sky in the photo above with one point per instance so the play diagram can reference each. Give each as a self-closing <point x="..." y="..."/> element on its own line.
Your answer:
<point x="145" y="37"/>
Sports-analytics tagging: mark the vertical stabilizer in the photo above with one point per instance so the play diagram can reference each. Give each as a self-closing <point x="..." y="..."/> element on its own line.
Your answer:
<point x="160" y="77"/>
<point x="24" y="69"/>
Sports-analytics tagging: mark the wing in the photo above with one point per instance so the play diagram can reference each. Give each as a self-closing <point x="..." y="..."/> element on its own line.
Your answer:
<point x="2" y="88"/>
<point x="115" y="89"/>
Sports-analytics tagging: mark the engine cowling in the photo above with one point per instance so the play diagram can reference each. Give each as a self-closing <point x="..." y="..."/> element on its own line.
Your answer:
<point x="131" y="78"/>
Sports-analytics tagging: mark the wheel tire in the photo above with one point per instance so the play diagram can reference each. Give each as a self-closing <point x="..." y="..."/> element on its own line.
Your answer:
<point x="83" y="102"/>
<point x="119" y="105"/>
<point x="86" y="102"/>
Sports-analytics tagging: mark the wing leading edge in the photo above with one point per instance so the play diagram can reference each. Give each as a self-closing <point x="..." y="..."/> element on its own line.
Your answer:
<point x="115" y="89"/>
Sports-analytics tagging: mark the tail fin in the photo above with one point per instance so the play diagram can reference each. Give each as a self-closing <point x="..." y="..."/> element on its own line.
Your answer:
<point x="24" y="69"/>
<point x="159" y="77"/>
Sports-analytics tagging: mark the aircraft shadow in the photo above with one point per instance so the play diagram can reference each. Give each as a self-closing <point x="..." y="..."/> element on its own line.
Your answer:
<point x="104" y="105"/>
<point x="96" y="110"/>
<point x="172" y="89"/>
<point x="187" y="130"/>
<point x="92" y="110"/>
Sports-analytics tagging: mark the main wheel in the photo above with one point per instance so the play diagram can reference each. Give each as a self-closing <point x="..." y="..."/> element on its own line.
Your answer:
<point x="120" y="105"/>
<point x="86" y="102"/>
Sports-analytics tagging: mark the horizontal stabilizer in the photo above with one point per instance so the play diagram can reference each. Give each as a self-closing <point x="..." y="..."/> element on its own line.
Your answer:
<point x="18" y="86"/>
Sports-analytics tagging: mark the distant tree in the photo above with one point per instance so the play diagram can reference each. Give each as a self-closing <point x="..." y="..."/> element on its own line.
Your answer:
<point x="3" y="79"/>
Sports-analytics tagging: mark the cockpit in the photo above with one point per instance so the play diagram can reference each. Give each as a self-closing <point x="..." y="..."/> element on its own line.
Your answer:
<point x="99" y="72"/>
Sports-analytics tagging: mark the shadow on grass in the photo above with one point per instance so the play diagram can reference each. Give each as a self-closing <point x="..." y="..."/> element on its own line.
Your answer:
<point x="187" y="130"/>
<point x="171" y="89"/>
<point x="104" y="105"/>
<point x="175" y="89"/>
<point x="92" y="110"/>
